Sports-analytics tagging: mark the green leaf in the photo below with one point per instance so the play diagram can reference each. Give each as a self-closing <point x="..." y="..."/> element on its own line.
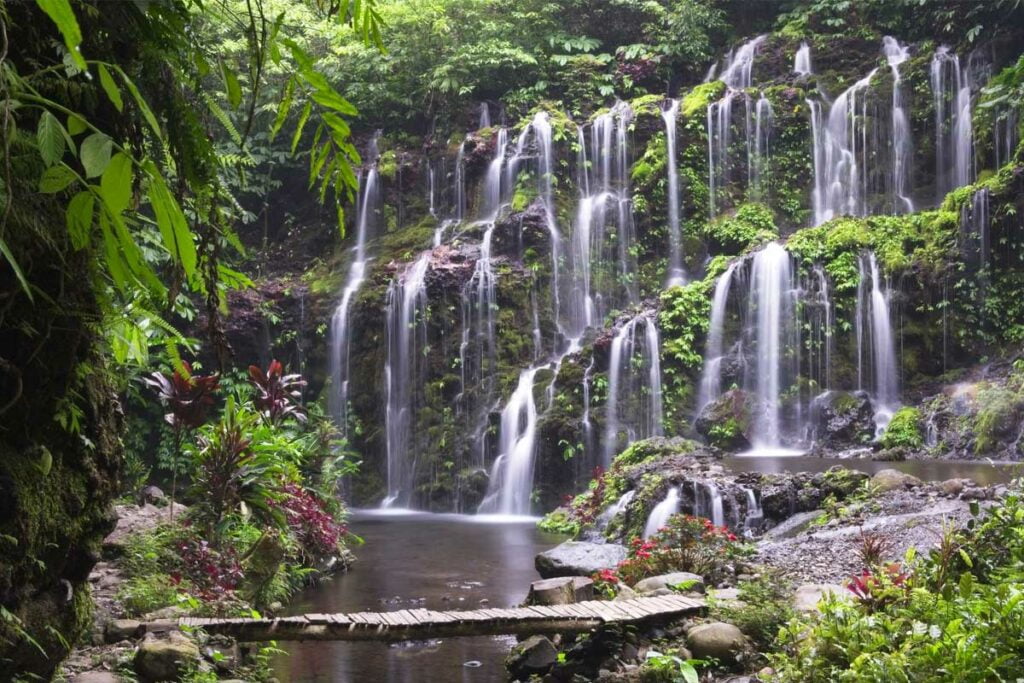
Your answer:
<point x="45" y="463"/>
<point x="76" y="125"/>
<point x="50" y="137"/>
<point x="16" y="268"/>
<point x="56" y="178"/>
<point x="95" y="154"/>
<point x="79" y="218"/>
<point x="116" y="183"/>
<point x="232" y="85"/>
<point x="303" y="118"/>
<point x="282" y="109"/>
<point x="171" y="220"/>
<point x="110" y="87"/>
<point x="332" y="100"/>
<point x="61" y="14"/>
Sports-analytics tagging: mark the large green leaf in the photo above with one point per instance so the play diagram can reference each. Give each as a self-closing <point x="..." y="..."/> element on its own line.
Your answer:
<point x="50" y="138"/>
<point x="303" y="117"/>
<point x="79" y="218"/>
<point x="95" y="154"/>
<point x="16" y="268"/>
<point x="63" y="16"/>
<point x="231" y="84"/>
<point x="116" y="183"/>
<point x="110" y="87"/>
<point x="56" y="178"/>
<point x="283" y="108"/>
<point x="171" y="220"/>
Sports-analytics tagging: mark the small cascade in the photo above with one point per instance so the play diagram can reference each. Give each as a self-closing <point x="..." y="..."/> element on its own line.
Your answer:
<point x="975" y="233"/>
<point x="661" y="512"/>
<point x="615" y="509"/>
<point x="802" y="60"/>
<point x="485" y="116"/>
<point x="406" y="339"/>
<point x="459" y="201"/>
<point x="340" y="332"/>
<point x="707" y="502"/>
<point x="711" y="376"/>
<point x="586" y="421"/>
<point x="773" y="309"/>
<point x="431" y="192"/>
<point x="841" y="153"/>
<point x="758" y="168"/>
<point x="676" y="275"/>
<point x="1005" y="135"/>
<point x="952" y="85"/>
<point x="634" y="405"/>
<point x="877" y="368"/>
<point x="902" y="148"/>
<point x="755" y="515"/>
<point x="511" y="482"/>
<point x="737" y="76"/>
<point x="819" y="317"/>
<point x="493" y="189"/>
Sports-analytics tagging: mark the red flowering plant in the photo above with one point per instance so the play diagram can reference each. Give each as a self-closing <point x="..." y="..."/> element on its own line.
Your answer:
<point x="213" y="574"/>
<point x="685" y="544"/>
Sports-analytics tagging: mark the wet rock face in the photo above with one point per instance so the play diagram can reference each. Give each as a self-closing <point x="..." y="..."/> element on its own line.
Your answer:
<point x="522" y="230"/>
<point x="533" y="656"/>
<point x="727" y="422"/>
<point x="842" y="419"/>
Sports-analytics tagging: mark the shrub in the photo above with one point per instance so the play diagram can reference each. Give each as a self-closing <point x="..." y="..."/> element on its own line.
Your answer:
<point x="904" y="430"/>
<point x="143" y="594"/>
<point x="765" y="607"/>
<point x="314" y="528"/>
<point x="685" y="544"/>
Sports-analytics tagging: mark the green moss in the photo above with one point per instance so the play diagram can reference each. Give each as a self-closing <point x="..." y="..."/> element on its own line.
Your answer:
<point x="904" y="430"/>
<point x="998" y="411"/>
<point x="697" y="100"/>
<point x="647" y="105"/>
<point x="651" y="166"/>
<point x="559" y="521"/>
<point x="747" y="226"/>
<point x="387" y="167"/>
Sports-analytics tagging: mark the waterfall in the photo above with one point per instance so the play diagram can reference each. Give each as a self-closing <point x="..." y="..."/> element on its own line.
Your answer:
<point x="485" y="116"/>
<point x="676" y="275"/>
<point x="840" y="151"/>
<point x="711" y="376"/>
<point x="615" y="508"/>
<point x="511" y="482"/>
<point x="975" y="237"/>
<point x="661" y="512"/>
<point x="874" y="328"/>
<point x="707" y="502"/>
<point x="902" y="148"/>
<point x="432" y="210"/>
<point x="763" y="115"/>
<point x="460" y="183"/>
<point x="1005" y="134"/>
<point x="771" y="288"/>
<point x="954" y="142"/>
<point x="492" y="192"/>
<point x="634" y="404"/>
<point x="755" y="515"/>
<point x="802" y="61"/>
<point x="737" y="76"/>
<point x="367" y="208"/>
<point x="406" y="338"/>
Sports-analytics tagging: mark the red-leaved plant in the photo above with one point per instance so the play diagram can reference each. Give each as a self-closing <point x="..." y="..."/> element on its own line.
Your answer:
<point x="879" y="587"/>
<point x="277" y="394"/>
<point x="188" y="398"/>
<point x="314" y="527"/>
<point x="214" y="574"/>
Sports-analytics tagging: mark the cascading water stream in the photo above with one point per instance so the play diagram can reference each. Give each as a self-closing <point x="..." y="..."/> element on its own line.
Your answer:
<point x="634" y="404"/>
<point x="661" y="512"/>
<point x="877" y="368"/>
<point x="340" y="334"/>
<point x="954" y="138"/>
<point x="902" y="147"/>
<point x="802" y="61"/>
<point x="485" y="116"/>
<point x="763" y="118"/>
<point x="676" y="274"/>
<point x="406" y="337"/>
<point x="711" y="376"/>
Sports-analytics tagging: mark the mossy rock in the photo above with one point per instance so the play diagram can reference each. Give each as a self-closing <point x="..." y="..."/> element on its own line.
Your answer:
<point x="728" y="421"/>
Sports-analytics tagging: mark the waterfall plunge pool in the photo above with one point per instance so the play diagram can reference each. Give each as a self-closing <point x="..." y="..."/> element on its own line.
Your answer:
<point x="420" y="560"/>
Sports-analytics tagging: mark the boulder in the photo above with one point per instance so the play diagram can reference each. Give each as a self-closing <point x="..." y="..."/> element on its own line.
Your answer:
<point x="807" y="596"/>
<point x="716" y="639"/>
<point x="561" y="590"/>
<point x="843" y="418"/>
<point x="533" y="656"/>
<point x="953" y="487"/>
<point x="649" y="585"/>
<point x="892" y="480"/>
<point x="122" y="629"/>
<point x="153" y="495"/>
<point x="578" y="558"/>
<point x="165" y="659"/>
<point x="727" y="422"/>
<point x="624" y="592"/>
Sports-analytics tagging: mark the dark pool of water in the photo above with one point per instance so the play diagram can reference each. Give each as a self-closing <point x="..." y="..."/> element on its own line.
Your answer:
<point x="420" y="561"/>
<point x="928" y="470"/>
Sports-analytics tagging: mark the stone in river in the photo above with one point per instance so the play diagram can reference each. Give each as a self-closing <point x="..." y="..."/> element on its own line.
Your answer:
<point x="579" y="558"/>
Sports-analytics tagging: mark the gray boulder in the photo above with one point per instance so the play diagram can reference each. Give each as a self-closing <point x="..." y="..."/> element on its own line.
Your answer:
<point x="578" y="558"/>
<point x="164" y="659"/>
<point x="728" y="421"/>
<point x="843" y="418"/>
<point x="667" y="581"/>
<point x="807" y="596"/>
<point x="122" y="629"/>
<point x="716" y="639"/>
<point x="533" y="656"/>
<point x="892" y="480"/>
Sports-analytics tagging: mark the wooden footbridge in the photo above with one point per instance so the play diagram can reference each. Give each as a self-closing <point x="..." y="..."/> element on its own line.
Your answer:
<point x="420" y="624"/>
